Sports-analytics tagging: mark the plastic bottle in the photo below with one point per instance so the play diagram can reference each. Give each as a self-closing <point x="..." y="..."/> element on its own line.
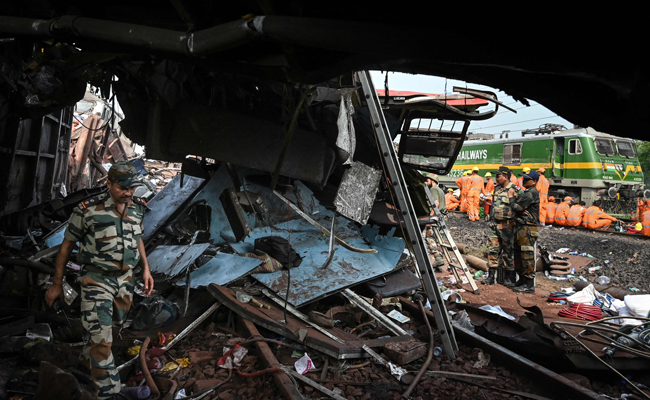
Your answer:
<point x="437" y="351"/>
<point x="604" y="280"/>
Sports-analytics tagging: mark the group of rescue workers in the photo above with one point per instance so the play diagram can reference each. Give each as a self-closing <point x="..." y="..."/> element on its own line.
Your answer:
<point x="515" y="208"/>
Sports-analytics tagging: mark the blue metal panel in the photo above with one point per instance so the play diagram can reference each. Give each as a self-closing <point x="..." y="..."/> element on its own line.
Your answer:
<point x="221" y="270"/>
<point x="308" y="282"/>
<point x="167" y="201"/>
<point x="55" y="237"/>
<point x="163" y="260"/>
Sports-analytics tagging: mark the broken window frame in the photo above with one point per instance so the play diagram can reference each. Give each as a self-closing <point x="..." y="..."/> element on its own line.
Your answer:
<point x="509" y="156"/>
<point x="622" y="152"/>
<point x="598" y="142"/>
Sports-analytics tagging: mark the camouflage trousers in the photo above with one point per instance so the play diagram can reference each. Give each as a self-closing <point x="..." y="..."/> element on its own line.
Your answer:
<point x="430" y="240"/>
<point x="526" y="250"/>
<point x="501" y="241"/>
<point x="105" y="303"/>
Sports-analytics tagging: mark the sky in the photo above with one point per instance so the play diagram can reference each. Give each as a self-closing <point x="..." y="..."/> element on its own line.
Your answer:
<point x="525" y="118"/>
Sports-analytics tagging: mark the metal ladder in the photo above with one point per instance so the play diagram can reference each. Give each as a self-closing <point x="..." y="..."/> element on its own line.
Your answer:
<point x="440" y="230"/>
<point x="394" y="171"/>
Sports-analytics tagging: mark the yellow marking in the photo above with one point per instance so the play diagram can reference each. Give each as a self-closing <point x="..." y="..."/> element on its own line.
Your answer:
<point x="583" y="165"/>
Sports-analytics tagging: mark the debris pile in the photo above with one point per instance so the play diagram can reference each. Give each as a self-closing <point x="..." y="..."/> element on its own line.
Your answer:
<point x="217" y="324"/>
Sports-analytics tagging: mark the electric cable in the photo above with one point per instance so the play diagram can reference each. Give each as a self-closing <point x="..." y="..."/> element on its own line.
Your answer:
<point x="582" y="311"/>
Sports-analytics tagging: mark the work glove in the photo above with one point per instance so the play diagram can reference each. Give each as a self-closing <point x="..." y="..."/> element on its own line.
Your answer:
<point x="492" y="225"/>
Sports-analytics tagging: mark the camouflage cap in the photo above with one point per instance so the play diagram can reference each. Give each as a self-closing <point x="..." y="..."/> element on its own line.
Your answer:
<point x="125" y="174"/>
<point x="433" y="177"/>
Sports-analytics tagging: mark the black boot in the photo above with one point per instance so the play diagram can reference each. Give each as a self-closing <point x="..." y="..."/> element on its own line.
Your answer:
<point x="527" y="286"/>
<point x="492" y="277"/>
<point x="510" y="279"/>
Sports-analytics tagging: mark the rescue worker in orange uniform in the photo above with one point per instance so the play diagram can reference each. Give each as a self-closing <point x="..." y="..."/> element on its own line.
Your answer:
<point x="489" y="185"/>
<point x="489" y="191"/>
<point x="595" y="217"/>
<point x="550" y="211"/>
<point x="452" y="202"/>
<point x="476" y="187"/>
<point x="645" y="218"/>
<point x="514" y="180"/>
<point x="520" y="180"/>
<point x="562" y="211"/>
<point x="576" y="213"/>
<point x="464" y="191"/>
<point x="542" y="189"/>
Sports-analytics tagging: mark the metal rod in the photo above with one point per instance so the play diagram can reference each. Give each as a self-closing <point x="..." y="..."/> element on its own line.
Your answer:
<point x="368" y="308"/>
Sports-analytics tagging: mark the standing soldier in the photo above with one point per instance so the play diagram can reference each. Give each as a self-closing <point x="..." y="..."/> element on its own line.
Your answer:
<point x="108" y="228"/>
<point x="502" y="227"/>
<point x="474" y="195"/>
<point x="542" y="189"/>
<point x="527" y="219"/>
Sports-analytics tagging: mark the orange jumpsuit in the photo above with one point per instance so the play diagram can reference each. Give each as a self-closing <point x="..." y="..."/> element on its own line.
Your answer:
<point x="561" y="213"/>
<point x="514" y="180"/>
<point x="489" y="186"/>
<point x="464" y="191"/>
<point x="542" y="189"/>
<point x="576" y="213"/>
<point x="550" y="213"/>
<point x="595" y="218"/>
<point x="476" y="187"/>
<point x="646" y="223"/>
<point x="452" y="202"/>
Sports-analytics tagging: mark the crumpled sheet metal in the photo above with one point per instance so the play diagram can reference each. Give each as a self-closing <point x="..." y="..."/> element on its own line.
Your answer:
<point x="221" y="270"/>
<point x="167" y="201"/>
<point x="347" y="268"/>
<point x="357" y="191"/>
<point x="346" y="140"/>
<point x="163" y="260"/>
<point x="308" y="282"/>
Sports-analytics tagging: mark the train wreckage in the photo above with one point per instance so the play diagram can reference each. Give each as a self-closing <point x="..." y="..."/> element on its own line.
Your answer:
<point x="289" y="141"/>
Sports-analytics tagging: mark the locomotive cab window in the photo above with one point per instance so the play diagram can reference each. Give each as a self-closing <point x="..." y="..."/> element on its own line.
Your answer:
<point x="575" y="147"/>
<point x="626" y="148"/>
<point x="604" y="147"/>
<point x="512" y="154"/>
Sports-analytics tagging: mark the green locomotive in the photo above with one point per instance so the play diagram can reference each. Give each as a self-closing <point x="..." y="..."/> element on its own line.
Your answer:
<point x="581" y="163"/>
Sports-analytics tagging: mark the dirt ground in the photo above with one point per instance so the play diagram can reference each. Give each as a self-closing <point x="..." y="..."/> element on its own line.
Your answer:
<point x="623" y="258"/>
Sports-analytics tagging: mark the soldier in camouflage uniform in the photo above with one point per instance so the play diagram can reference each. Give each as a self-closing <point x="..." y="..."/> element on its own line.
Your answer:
<point x="502" y="228"/>
<point x="527" y="218"/>
<point x="108" y="229"/>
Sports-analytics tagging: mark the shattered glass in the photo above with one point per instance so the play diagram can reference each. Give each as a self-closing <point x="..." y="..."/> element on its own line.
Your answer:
<point x="356" y="194"/>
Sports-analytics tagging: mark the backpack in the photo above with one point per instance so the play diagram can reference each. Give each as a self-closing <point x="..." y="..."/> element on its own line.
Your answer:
<point x="279" y="249"/>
